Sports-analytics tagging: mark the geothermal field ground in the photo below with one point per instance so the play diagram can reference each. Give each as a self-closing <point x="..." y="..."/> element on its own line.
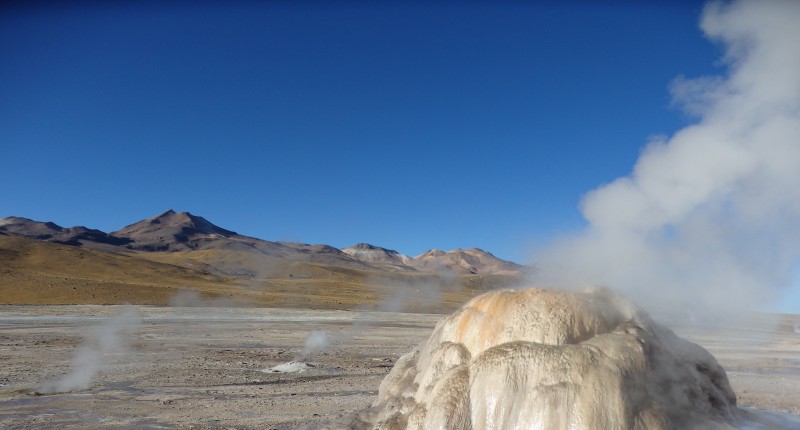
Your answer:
<point x="198" y="367"/>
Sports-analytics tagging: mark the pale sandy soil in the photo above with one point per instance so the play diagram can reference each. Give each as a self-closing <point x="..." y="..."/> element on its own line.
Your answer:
<point x="204" y="367"/>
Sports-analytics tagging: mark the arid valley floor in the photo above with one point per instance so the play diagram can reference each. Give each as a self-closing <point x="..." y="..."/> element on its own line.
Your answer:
<point x="200" y="367"/>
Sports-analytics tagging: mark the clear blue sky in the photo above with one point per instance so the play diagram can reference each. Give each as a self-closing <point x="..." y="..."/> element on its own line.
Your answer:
<point x="410" y="125"/>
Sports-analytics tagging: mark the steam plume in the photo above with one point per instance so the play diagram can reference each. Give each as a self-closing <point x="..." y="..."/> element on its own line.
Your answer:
<point x="711" y="214"/>
<point x="100" y="346"/>
<point x="317" y="341"/>
<point x="396" y="295"/>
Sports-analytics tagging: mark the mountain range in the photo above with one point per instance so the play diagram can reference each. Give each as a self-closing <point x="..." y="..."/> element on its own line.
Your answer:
<point x="193" y="253"/>
<point x="183" y="232"/>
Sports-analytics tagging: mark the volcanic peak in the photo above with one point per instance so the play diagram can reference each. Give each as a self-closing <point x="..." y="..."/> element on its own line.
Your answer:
<point x="171" y="220"/>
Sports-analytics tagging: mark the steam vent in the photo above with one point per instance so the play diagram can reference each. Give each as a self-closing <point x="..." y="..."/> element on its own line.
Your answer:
<point x="554" y="360"/>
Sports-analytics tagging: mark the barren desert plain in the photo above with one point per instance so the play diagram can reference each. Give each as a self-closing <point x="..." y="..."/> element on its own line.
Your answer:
<point x="226" y="367"/>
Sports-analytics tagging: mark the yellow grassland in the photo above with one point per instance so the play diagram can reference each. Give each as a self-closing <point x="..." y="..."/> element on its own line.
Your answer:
<point x="34" y="272"/>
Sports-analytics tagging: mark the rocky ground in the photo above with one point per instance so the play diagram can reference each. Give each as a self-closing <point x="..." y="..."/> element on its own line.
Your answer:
<point x="211" y="367"/>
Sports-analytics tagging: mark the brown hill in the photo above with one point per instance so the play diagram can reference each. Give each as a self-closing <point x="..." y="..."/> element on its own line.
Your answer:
<point x="377" y="255"/>
<point x="52" y="232"/>
<point x="172" y="231"/>
<point x="40" y="272"/>
<point x="463" y="261"/>
<point x="237" y="255"/>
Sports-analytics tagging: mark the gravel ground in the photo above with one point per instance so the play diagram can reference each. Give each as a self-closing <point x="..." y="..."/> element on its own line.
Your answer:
<point x="211" y="367"/>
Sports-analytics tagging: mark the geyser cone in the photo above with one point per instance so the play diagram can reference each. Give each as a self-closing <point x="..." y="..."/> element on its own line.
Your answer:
<point x="554" y="360"/>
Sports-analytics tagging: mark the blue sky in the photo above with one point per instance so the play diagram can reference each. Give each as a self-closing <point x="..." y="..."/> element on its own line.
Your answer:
<point x="404" y="124"/>
<point x="409" y="125"/>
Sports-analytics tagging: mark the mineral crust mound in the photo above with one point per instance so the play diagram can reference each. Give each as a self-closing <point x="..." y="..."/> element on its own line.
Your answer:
<point x="554" y="360"/>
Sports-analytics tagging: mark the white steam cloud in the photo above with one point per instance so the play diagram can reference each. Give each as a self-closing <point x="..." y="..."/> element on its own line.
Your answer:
<point x="396" y="295"/>
<point x="316" y="342"/>
<point x="102" y="345"/>
<point x="710" y="215"/>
